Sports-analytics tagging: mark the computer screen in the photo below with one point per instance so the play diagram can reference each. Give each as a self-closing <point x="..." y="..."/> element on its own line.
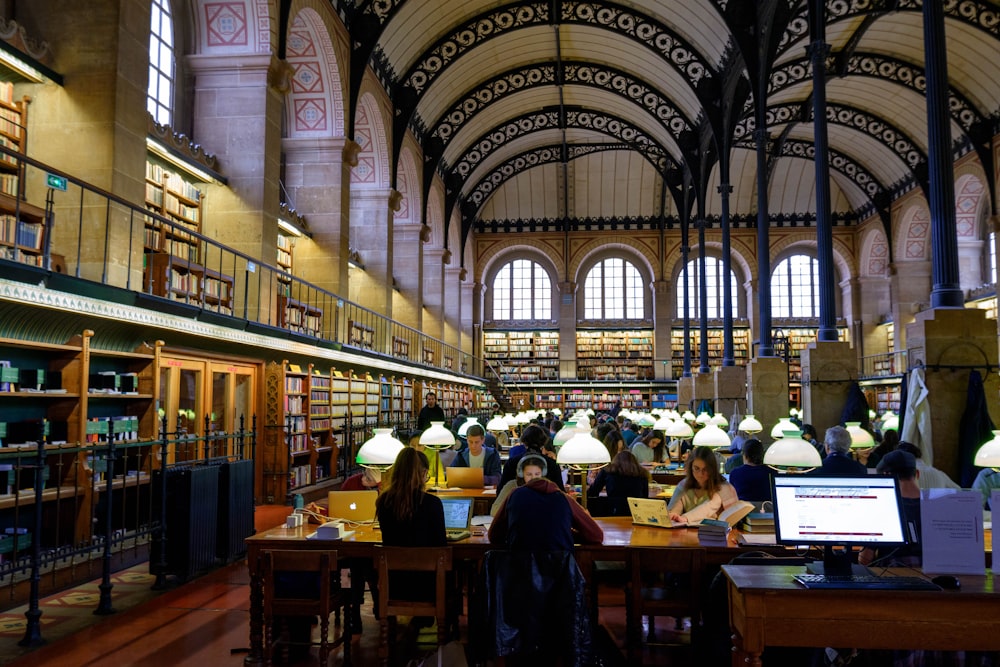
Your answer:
<point x="457" y="512"/>
<point x="829" y="511"/>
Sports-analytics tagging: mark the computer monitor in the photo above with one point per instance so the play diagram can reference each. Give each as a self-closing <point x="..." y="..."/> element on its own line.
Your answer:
<point x="838" y="513"/>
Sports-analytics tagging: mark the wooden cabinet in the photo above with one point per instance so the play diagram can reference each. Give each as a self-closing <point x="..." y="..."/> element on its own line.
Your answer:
<point x="614" y="355"/>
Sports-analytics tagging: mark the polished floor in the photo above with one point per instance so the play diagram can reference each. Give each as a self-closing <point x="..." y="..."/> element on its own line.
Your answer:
<point x="205" y="622"/>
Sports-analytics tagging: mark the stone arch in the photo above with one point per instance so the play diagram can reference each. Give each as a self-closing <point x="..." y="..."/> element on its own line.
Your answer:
<point x="641" y="249"/>
<point x="792" y="244"/>
<point x="372" y="169"/>
<point x="614" y="248"/>
<point x="738" y="265"/>
<point x="314" y="106"/>
<point x="515" y="250"/>
<point x="874" y="261"/>
<point x="250" y="26"/>
<point x="408" y="186"/>
<point x="435" y="215"/>
<point x="914" y="234"/>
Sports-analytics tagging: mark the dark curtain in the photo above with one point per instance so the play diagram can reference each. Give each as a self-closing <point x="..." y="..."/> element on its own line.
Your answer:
<point x="976" y="428"/>
<point x="904" y="394"/>
<point x="856" y="407"/>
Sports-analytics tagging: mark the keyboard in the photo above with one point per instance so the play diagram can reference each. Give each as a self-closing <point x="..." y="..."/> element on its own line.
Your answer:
<point x="866" y="582"/>
<point x="456" y="535"/>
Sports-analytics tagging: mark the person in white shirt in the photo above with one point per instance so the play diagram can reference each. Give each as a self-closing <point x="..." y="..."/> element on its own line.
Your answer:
<point x="930" y="477"/>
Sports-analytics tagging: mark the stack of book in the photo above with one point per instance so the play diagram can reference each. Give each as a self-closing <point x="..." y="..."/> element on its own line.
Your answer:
<point x="713" y="533"/>
<point x="758" y="522"/>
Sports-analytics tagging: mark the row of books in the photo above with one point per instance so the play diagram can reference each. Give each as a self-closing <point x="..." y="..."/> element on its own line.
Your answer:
<point x="7" y="92"/>
<point x="10" y="123"/>
<point x="21" y="233"/>
<point x="118" y="429"/>
<point x="18" y="255"/>
<point x="8" y="184"/>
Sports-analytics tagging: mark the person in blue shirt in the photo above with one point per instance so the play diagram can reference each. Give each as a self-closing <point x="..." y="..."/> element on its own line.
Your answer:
<point x="752" y="480"/>
<point x="476" y="455"/>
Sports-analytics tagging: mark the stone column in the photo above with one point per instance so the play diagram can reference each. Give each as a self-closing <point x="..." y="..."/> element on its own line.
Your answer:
<point x="767" y="381"/>
<point x="828" y="368"/>
<point x="662" y="316"/>
<point x="432" y="319"/>
<point x="567" y="331"/>
<point x="316" y="171"/>
<point x="950" y="342"/>
<point x="730" y="390"/>
<point x="371" y="237"/>
<point x="407" y="271"/>
<point x="911" y="283"/>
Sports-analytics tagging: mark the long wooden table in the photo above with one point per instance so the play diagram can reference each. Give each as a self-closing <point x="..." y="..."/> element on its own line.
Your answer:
<point x="768" y="608"/>
<point x="619" y="537"/>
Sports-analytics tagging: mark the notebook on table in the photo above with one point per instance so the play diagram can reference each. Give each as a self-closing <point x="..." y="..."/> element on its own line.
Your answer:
<point x="457" y="518"/>
<point x="356" y="506"/>
<point x="464" y="478"/>
<point x="652" y="512"/>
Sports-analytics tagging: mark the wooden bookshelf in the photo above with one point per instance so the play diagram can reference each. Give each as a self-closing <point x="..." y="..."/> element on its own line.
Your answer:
<point x="361" y="335"/>
<point x="610" y="354"/>
<point x="299" y="317"/>
<point x="178" y="200"/>
<point x="22" y="225"/>
<point x="604" y="396"/>
<point x="523" y="356"/>
<point x="180" y="279"/>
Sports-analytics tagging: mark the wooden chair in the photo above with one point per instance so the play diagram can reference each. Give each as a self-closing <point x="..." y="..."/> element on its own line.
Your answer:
<point x="303" y="583"/>
<point x="436" y="560"/>
<point x="662" y="582"/>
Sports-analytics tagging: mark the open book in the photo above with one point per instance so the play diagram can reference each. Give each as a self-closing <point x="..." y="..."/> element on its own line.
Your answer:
<point x="735" y="512"/>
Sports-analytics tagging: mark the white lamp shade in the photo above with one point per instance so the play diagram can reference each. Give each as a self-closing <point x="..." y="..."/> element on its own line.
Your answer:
<point x="497" y="424"/>
<point x="988" y="455"/>
<point x="663" y="423"/>
<point x="583" y="452"/>
<point x="568" y="430"/>
<point x="688" y="416"/>
<point x="703" y="418"/>
<point x="711" y="436"/>
<point x="380" y="450"/>
<point x="464" y="428"/>
<point x="720" y="420"/>
<point x="784" y="424"/>
<point x="646" y="419"/>
<point x="751" y="424"/>
<point x="522" y="418"/>
<point x="887" y="414"/>
<point x="557" y="412"/>
<point x="510" y="420"/>
<point x="679" y="429"/>
<point x="890" y="423"/>
<point x="437" y="437"/>
<point x="791" y="451"/>
<point x="860" y="438"/>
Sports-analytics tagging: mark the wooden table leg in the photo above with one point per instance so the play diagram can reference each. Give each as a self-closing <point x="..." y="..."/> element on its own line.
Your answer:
<point x="256" y="656"/>
<point x="742" y="658"/>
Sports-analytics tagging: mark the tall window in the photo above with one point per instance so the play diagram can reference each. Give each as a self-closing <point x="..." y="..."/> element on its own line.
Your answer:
<point x="522" y="291"/>
<point x="613" y="290"/>
<point x="160" y="94"/>
<point x="993" y="257"/>
<point x="795" y="287"/>
<point x="713" y="285"/>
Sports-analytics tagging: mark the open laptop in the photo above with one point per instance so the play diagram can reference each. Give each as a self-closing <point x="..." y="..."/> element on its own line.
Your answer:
<point x="464" y="478"/>
<point x="357" y="506"/>
<point x="457" y="518"/>
<point x="652" y="512"/>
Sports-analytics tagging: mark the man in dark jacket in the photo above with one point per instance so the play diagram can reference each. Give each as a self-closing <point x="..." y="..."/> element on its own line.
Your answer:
<point x="838" y="461"/>
<point x="431" y="412"/>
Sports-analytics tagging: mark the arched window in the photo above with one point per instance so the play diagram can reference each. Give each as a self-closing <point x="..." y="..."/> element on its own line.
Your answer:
<point x="993" y="257"/>
<point x="613" y="290"/>
<point x="713" y="285"/>
<point x="522" y="291"/>
<point x="160" y="93"/>
<point x="795" y="287"/>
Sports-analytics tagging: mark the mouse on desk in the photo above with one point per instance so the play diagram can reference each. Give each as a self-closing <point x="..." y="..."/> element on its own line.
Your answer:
<point x="947" y="582"/>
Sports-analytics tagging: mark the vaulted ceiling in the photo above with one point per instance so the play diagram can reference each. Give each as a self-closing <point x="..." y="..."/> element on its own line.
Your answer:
<point x="562" y="111"/>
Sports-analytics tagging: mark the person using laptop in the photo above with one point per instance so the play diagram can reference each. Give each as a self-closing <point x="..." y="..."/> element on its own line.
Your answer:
<point x="476" y="455"/>
<point x="539" y="517"/>
<point x="623" y="478"/>
<point x="702" y="494"/>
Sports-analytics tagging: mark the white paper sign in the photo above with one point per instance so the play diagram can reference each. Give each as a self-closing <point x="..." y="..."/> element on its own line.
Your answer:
<point x="951" y="527"/>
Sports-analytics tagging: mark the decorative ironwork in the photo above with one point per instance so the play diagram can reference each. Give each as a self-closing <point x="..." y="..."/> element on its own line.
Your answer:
<point x="842" y="163"/>
<point x="885" y="68"/>
<point x="576" y="117"/>
<point x="639" y="27"/>
<point x="882" y="130"/>
<point x="382" y="68"/>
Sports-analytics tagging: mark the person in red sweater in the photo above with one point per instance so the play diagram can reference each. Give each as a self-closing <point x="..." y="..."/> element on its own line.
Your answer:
<point x="540" y="517"/>
<point x="366" y="480"/>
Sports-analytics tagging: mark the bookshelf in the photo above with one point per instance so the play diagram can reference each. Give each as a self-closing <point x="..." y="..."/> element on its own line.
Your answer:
<point x="396" y="403"/>
<point x="400" y="348"/>
<point x="22" y="225"/>
<point x="614" y="355"/>
<point x="523" y="356"/>
<point x="716" y="347"/>
<point x="603" y="396"/>
<point x="299" y="317"/>
<point x="180" y="279"/>
<point x="360" y="335"/>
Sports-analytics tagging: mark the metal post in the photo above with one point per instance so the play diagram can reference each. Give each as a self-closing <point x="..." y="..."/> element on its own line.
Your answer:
<point x="104" y="607"/>
<point x="33" y="627"/>
<point x="161" y="562"/>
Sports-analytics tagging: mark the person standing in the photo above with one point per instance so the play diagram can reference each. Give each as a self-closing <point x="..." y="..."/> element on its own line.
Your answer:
<point x="431" y="412"/>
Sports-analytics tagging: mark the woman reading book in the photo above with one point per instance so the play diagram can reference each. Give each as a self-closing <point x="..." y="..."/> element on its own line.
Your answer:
<point x="702" y="494"/>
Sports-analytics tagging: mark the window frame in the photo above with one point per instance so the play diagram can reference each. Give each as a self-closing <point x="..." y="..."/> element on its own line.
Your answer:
<point x="162" y="110"/>
<point x="532" y="283"/>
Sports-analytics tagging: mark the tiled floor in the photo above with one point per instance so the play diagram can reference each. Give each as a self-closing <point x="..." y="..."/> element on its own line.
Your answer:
<point x="204" y="622"/>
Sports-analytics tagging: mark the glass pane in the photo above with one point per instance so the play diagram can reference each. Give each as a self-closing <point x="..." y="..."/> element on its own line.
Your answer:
<point x="219" y="418"/>
<point x="243" y="402"/>
<point x="188" y="419"/>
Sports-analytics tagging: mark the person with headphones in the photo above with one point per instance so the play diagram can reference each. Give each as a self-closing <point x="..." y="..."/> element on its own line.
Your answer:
<point x="536" y="441"/>
<point x="537" y="516"/>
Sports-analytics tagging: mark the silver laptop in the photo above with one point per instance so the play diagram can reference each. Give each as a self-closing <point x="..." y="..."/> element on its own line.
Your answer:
<point x="653" y="512"/>
<point x="457" y="518"/>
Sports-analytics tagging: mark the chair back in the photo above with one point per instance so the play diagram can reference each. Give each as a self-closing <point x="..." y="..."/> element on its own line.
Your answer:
<point x="306" y="599"/>
<point x="667" y="582"/>
<point x="412" y="559"/>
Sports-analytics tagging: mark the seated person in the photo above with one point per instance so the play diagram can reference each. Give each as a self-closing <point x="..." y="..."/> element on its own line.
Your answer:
<point x="752" y="480"/>
<point x="651" y="448"/>
<point x="702" y="494"/>
<point x="368" y="479"/>
<point x="903" y="466"/>
<point x="623" y="478"/>
<point x="479" y="456"/>
<point x="987" y="480"/>
<point x="535" y="440"/>
<point x="838" y="461"/>
<point x="929" y="477"/>
<point x="538" y="516"/>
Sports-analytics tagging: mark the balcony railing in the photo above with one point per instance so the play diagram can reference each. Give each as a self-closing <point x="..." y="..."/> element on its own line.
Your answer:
<point x="96" y="237"/>
<point x="887" y="365"/>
